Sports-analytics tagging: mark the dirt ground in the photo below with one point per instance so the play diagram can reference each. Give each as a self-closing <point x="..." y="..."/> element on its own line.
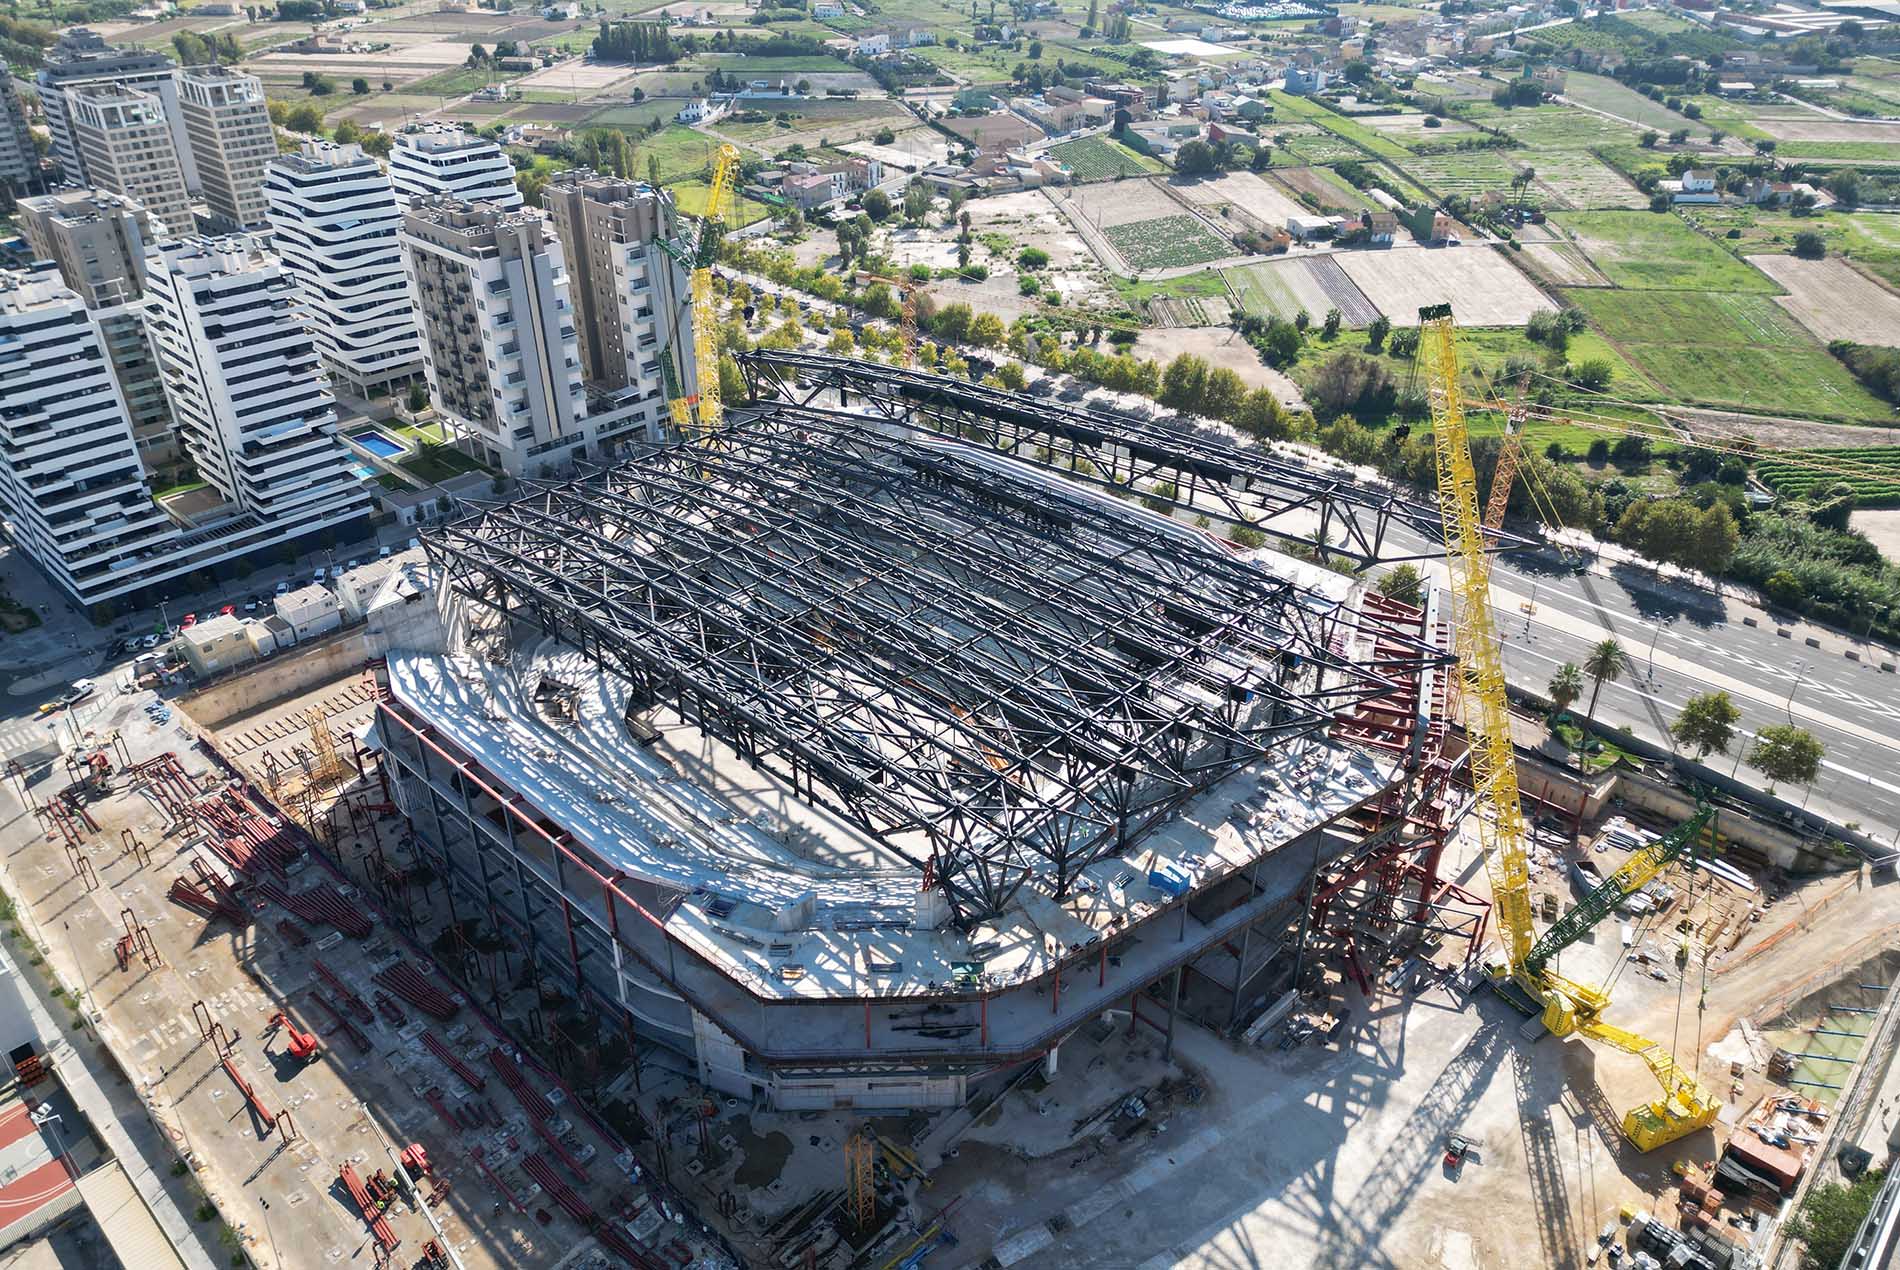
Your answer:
<point x="1882" y="528"/>
<point x="1107" y="203"/>
<point x="1251" y="193"/>
<point x="1833" y="299"/>
<point x="1220" y="346"/>
<point x="1331" y="1155"/>
<point x="1564" y="264"/>
<point x="1811" y="129"/>
<point x="1486" y="288"/>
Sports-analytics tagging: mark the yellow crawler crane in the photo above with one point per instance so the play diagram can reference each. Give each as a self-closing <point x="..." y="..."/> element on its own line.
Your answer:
<point x="700" y="415"/>
<point x="1568" y="1008"/>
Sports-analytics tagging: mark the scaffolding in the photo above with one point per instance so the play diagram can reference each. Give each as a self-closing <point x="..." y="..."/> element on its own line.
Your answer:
<point x="1002" y="678"/>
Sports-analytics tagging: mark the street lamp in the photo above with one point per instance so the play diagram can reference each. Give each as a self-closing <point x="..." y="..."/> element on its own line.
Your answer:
<point x="43" y="1116"/>
<point x="1650" y="674"/>
<point x="1800" y="669"/>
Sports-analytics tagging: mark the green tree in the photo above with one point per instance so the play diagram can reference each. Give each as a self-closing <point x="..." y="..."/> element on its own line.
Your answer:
<point x="418" y="397"/>
<point x="1184" y="383"/>
<point x="987" y="330"/>
<point x="1706" y="723"/>
<point x="360" y="86"/>
<point x="1829" y="1216"/>
<point x="305" y="118"/>
<point x="877" y="205"/>
<point x="1566" y="686"/>
<point x="1605" y="665"/>
<point x="1809" y="245"/>
<point x="1330" y="329"/>
<point x="1786" y="752"/>
<point x="346" y="132"/>
<point x="1223" y="395"/>
<point x="1404" y="584"/>
<point x="1376" y="331"/>
<point x="916" y="203"/>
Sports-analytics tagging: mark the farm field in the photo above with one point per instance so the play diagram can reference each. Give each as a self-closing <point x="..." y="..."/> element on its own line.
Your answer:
<point x="1322" y="147"/>
<point x="1333" y="194"/>
<point x="1728" y="350"/>
<point x="1562" y="263"/>
<point x="680" y="150"/>
<point x="1252" y="194"/>
<point x="1814" y="127"/>
<point x="1869" y="239"/>
<point x="1099" y="159"/>
<point x="690" y="197"/>
<point x="1600" y="92"/>
<point x="1309" y="284"/>
<point x="1558" y="127"/>
<point x="1834" y="300"/>
<point x="1484" y="288"/>
<point x="1167" y="242"/>
<point x="1878" y="486"/>
<point x="1470" y="173"/>
<point x="1353" y="130"/>
<point x="1644" y="250"/>
<point x="1411" y="124"/>
<point x="1120" y="203"/>
<point x="1585" y="181"/>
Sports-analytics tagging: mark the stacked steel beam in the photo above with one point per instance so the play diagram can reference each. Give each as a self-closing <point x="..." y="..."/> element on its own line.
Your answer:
<point x="413" y="986"/>
<point x="379" y="1226"/>
<point x="433" y="1043"/>
<point x="532" y="1100"/>
<point x="320" y="906"/>
<point x="356" y="1003"/>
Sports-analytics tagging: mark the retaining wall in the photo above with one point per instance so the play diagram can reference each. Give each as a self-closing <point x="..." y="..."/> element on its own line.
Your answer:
<point x="276" y="678"/>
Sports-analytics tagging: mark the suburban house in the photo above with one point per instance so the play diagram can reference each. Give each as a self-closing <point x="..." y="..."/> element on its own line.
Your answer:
<point x="1382" y="228"/>
<point x="1766" y="193"/>
<point x="827" y="9"/>
<point x="1444" y="228"/>
<point x="874" y="44"/>
<point x="1304" y="81"/>
<point x="703" y="110"/>
<point x="808" y="190"/>
<point x="1311" y="228"/>
<point x="1697" y="186"/>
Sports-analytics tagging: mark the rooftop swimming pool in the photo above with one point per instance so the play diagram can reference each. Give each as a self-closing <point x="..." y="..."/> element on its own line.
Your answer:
<point x="383" y="447"/>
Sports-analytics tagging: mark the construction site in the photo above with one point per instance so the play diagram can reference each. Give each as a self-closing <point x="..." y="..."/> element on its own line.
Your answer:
<point x="897" y="825"/>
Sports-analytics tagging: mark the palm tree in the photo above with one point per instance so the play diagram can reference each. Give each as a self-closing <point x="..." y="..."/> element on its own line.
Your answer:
<point x="1566" y="686"/>
<point x="1605" y="664"/>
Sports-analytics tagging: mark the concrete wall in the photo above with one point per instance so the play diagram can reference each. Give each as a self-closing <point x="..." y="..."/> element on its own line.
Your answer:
<point x="285" y="675"/>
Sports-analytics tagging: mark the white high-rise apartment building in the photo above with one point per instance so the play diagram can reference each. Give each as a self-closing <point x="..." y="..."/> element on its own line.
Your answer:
<point x="75" y="491"/>
<point x="439" y="159"/>
<point x="245" y="388"/>
<point x="81" y="57"/>
<point x="231" y="141"/>
<point x="499" y="346"/>
<point x="334" y="220"/>
<point x="126" y="145"/>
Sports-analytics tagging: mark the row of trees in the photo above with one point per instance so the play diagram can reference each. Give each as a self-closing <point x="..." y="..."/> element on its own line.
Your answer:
<point x="1706" y="724"/>
<point x="635" y="42"/>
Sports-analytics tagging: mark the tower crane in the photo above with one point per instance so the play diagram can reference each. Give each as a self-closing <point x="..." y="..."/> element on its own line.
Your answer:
<point x="701" y="413"/>
<point x="1567" y="1007"/>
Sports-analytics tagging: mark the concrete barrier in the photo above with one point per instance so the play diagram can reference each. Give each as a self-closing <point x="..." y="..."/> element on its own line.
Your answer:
<point x="275" y="679"/>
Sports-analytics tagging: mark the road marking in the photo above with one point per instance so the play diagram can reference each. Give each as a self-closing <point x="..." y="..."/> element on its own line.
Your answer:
<point x="1021" y="1246"/>
<point x="1860" y="776"/>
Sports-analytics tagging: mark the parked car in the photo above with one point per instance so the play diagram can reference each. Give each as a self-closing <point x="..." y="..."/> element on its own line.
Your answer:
<point x="227" y="611"/>
<point x="283" y="588"/>
<point x="383" y="553"/>
<point x="253" y="604"/>
<point x="191" y="620"/>
<point x="79" y="690"/>
<point x="151" y="641"/>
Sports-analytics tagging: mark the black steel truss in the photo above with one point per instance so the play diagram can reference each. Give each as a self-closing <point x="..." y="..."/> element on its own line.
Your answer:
<point x="1001" y="678"/>
<point x="1236" y="484"/>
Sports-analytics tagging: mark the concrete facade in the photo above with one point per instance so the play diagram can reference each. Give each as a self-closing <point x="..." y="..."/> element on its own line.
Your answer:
<point x="81" y="57"/>
<point x="126" y="145"/>
<point x="231" y="141"/>
<point x="442" y="160"/>
<point x="19" y="161"/>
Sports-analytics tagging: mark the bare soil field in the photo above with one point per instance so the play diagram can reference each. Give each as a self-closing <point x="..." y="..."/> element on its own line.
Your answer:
<point x="1812" y="129"/>
<point x="995" y="131"/>
<point x="1283" y="288"/>
<point x="1834" y="300"/>
<point x="914" y="148"/>
<point x="394" y="63"/>
<point x="1582" y="180"/>
<point x="1486" y="288"/>
<point x="1332" y="192"/>
<point x="1412" y="124"/>
<point x="1564" y="264"/>
<point x="1218" y="346"/>
<point x="575" y="75"/>
<point x="1119" y="202"/>
<point x="1882" y="529"/>
<point x="1253" y="194"/>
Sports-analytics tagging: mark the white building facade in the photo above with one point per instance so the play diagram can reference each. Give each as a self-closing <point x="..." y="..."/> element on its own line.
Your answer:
<point x="125" y="142"/>
<point x="81" y="57"/>
<point x="335" y="222"/>
<point x="438" y="159"/>
<point x="246" y="392"/>
<point x="75" y="492"/>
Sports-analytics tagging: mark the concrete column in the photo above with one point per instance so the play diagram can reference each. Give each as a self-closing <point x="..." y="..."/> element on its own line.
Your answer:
<point x="1049" y="1063"/>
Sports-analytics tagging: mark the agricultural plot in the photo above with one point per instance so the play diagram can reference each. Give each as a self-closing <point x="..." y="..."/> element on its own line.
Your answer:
<point x="1471" y="173"/>
<point x="1309" y="284"/>
<point x="1814" y="127"/>
<point x="1483" y="287"/>
<point x="1411" y="125"/>
<point x="1322" y="147"/>
<point x="1119" y="204"/>
<point x="1728" y="350"/>
<point x="1332" y="194"/>
<point x="1834" y="300"/>
<point x="1252" y="194"/>
<point x="1563" y="264"/>
<point x="1167" y="242"/>
<point x="1646" y="251"/>
<point x="1099" y="159"/>
<point x="1600" y="92"/>
<point x="1353" y="130"/>
<point x="1583" y="180"/>
<point x="1875" y="479"/>
<point x="1560" y="128"/>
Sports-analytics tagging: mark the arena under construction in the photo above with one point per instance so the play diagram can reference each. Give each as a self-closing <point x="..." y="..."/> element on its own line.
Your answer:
<point x="900" y="730"/>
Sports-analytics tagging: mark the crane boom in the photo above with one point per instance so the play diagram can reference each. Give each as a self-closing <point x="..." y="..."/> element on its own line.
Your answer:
<point x="704" y="408"/>
<point x="1500" y="811"/>
<point x="1569" y="1008"/>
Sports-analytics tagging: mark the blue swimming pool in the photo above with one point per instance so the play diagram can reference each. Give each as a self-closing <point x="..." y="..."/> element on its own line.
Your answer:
<point x="364" y="470"/>
<point x="376" y="443"/>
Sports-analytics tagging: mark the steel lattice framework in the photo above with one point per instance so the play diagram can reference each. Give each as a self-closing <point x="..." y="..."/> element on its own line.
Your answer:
<point x="1237" y="484"/>
<point x="1003" y="678"/>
